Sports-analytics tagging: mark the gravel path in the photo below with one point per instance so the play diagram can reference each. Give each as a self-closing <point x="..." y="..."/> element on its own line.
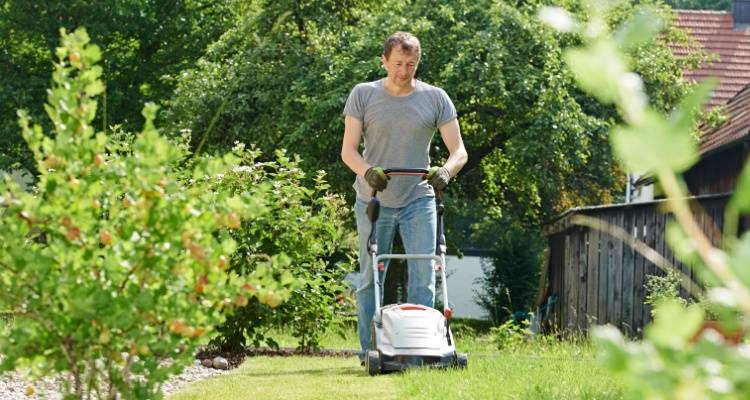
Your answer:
<point x="14" y="386"/>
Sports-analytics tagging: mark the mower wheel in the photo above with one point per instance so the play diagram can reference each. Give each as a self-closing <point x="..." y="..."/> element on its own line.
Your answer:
<point x="372" y="363"/>
<point x="462" y="360"/>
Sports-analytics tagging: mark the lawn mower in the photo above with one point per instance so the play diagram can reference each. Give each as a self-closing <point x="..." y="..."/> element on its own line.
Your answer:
<point x="409" y="335"/>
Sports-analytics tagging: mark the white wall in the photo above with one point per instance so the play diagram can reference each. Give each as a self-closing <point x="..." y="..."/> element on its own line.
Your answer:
<point x="462" y="276"/>
<point x="643" y="193"/>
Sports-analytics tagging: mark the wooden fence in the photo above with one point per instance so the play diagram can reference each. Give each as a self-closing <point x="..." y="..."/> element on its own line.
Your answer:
<point x="596" y="279"/>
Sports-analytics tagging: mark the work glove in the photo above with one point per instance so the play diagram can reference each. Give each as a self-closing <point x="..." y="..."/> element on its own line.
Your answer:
<point x="376" y="178"/>
<point x="438" y="177"/>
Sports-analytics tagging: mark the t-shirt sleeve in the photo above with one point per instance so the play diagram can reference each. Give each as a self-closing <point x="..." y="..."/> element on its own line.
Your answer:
<point x="355" y="106"/>
<point x="446" y="111"/>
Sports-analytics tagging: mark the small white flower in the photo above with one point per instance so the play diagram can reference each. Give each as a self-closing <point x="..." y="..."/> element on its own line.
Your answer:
<point x="631" y="82"/>
<point x="743" y="350"/>
<point x="557" y="18"/>
<point x="193" y="211"/>
<point x="712" y="366"/>
<point x="238" y="146"/>
<point x="720" y="385"/>
<point x="723" y="296"/>
<point x="242" y="168"/>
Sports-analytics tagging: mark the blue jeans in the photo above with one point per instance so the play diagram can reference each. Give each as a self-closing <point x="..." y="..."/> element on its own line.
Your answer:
<point x="417" y="226"/>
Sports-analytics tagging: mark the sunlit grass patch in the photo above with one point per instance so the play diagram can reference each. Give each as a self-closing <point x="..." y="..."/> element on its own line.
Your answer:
<point x="541" y="368"/>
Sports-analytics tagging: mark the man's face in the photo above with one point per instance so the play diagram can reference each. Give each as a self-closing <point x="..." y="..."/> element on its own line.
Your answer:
<point x="401" y="66"/>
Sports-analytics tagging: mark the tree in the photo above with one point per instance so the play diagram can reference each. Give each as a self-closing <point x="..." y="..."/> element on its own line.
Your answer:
<point x="537" y="144"/>
<point x="721" y="5"/>
<point x="146" y="43"/>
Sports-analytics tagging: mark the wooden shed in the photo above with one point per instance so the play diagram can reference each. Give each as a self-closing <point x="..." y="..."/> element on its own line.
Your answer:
<point x="592" y="277"/>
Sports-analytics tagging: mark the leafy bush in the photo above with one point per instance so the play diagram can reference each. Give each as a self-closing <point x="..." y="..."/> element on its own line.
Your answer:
<point x="115" y="268"/>
<point x="660" y="288"/>
<point x="306" y="224"/>
<point x="510" y="335"/>
<point x="511" y="276"/>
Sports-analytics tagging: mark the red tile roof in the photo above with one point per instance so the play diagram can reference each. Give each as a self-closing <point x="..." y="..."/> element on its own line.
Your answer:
<point x="737" y="127"/>
<point x="715" y="31"/>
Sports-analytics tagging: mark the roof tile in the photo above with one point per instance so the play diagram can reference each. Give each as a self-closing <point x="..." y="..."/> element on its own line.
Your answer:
<point x="715" y="31"/>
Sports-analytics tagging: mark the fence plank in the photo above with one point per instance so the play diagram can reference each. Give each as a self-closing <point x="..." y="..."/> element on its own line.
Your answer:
<point x="617" y="256"/>
<point x="640" y="223"/>
<point x="611" y="272"/>
<point x="582" y="279"/>
<point x="648" y="268"/>
<point x="628" y="272"/>
<point x="592" y="283"/>
<point x="603" y="274"/>
<point x="569" y="298"/>
<point x="560" y="306"/>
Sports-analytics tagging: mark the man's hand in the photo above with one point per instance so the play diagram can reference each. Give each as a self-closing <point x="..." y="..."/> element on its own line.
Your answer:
<point x="438" y="177"/>
<point x="376" y="178"/>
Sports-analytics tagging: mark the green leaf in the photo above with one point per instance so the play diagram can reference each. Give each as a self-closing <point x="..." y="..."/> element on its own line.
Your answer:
<point x="613" y="346"/>
<point x="682" y="244"/>
<point x="236" y="204"/>
<point x="597" y="69"/>
<point x="683" y="118"/>
<point x="92" y="54"/>
<point x="94" y="88"/>
<point x="741" y="198"/>
<point x="654" y="145"/>
<point x="287" y="278"/>
<point x="639" y="30"/>
<point x="740" y="259"/>
<point x="674" y="325"/>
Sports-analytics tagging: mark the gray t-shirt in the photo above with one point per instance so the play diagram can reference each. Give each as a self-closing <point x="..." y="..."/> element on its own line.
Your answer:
<point x="397" y="132"/>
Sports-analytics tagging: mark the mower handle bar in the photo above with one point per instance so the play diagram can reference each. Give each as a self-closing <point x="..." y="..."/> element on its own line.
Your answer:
<point x="407" y="171"/>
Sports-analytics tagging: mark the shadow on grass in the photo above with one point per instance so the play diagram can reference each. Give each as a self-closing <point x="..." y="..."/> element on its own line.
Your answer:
<point x="317" y="372"/>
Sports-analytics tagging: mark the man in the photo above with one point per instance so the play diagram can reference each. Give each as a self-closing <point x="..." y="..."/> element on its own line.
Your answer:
<point x="398" y="117"/>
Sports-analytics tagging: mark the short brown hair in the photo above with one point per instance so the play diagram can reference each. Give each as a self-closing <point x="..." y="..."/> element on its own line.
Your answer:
<point x="408" y="42"/>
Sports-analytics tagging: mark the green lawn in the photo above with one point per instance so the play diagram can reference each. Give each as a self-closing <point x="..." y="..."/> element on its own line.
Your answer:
<point x="550" y="370"/>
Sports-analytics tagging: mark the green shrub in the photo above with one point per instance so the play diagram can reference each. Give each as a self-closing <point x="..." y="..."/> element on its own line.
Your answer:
<point x="308" y="225"/>
<point x="115" y="268"/>
<point x="510" y="335"/>
<point x="661" y="288"/>
<point x="511" y="276"/>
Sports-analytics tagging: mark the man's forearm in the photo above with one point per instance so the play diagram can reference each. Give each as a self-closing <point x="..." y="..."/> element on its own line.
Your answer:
<point x="355" y="162"/>
<point x="456" y="161"/>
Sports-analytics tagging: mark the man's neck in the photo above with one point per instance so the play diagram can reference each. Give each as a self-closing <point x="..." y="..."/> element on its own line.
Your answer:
<point x="395" y="90"/>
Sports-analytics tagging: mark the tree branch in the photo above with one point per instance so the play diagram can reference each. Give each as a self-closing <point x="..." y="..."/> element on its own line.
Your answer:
<point x="476" y="156"/>
<point x="498" y="142"/>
